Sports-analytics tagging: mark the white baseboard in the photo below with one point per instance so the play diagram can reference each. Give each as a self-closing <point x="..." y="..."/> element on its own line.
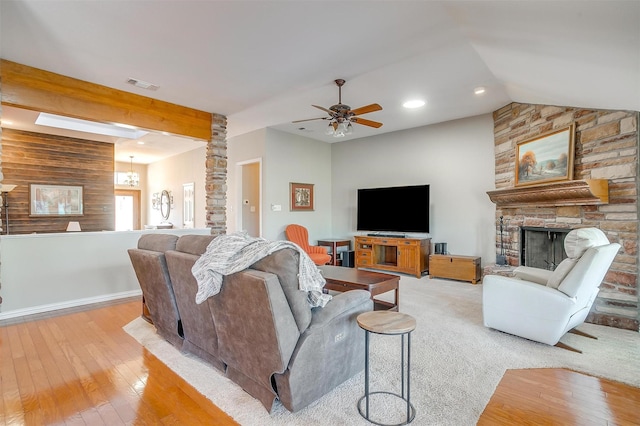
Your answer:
<point x="68" y="304"/>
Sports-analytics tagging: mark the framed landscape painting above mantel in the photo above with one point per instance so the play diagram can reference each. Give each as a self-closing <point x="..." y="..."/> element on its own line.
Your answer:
<point x="545" y="158"/>
<point x="55" y="200"/>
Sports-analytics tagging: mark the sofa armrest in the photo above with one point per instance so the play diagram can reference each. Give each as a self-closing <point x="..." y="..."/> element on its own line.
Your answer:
<point x="340" y="304"/>
<point x="333" y="334"/>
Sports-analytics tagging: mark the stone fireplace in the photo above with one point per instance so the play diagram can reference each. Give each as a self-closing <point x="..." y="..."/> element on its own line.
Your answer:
<point x="602" y="194"/>
<point x="542" y="247"/>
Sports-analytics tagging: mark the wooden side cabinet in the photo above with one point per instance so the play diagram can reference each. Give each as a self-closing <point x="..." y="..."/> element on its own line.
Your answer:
<point x="407" y="255"/>
<point x="463" y="268"/>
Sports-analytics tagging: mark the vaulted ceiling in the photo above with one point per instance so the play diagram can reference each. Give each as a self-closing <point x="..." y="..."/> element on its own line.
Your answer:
<point x="264" y="63"/>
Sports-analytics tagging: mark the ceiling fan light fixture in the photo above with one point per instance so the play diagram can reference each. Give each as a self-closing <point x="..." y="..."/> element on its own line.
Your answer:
<point x="341" y="116"/>
<point x="349" y="129"/>
<point x="414" y="103"/>
<point x="341" y="130"/>
<point x="329" y="130"/>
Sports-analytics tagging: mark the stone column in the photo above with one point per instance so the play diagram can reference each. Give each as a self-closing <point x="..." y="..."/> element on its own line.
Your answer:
<point x="216" y="176"/>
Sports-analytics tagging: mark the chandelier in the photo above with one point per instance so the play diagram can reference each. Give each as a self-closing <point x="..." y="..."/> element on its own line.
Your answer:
<point x="339" y="127"/>
<point x="132" y="177"/>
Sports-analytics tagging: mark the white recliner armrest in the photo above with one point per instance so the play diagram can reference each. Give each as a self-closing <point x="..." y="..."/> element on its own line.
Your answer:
<point x="536" y="275"/>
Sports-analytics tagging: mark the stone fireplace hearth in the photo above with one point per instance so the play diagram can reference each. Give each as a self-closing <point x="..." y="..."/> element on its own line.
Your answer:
<point x="603" y="194"/>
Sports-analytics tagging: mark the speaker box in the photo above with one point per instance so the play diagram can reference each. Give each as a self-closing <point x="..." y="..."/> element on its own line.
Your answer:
<point x="348" y="258"/>
<point x="440" y="248"/>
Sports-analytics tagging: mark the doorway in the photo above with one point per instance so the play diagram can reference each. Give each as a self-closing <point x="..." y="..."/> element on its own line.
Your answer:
<point x="249" y="216"/>
<point x="127" y="202"/>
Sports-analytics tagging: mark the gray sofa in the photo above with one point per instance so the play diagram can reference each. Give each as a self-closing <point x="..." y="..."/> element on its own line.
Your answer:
<point x="150" y="266"/>
<point x="259" y="330"/>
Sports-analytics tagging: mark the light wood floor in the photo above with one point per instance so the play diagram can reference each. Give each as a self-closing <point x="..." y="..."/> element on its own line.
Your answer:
<point x="81" y="368"/>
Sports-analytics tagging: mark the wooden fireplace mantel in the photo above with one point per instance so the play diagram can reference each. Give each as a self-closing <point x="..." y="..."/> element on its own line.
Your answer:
<point x="565" y="193"/>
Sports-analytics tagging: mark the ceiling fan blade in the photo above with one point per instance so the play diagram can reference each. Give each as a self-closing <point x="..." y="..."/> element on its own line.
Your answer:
<point x="331" y="113"/>
<point x="309" y="119"/>
<point x="366" y="109"/>
<point x="366" y="122"/>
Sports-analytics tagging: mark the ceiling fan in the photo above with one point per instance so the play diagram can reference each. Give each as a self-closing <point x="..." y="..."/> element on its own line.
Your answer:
<point x="341" y="116"/>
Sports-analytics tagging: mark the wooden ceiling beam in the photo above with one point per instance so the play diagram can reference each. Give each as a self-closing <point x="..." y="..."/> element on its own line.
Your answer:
<point x="44" y="91"/>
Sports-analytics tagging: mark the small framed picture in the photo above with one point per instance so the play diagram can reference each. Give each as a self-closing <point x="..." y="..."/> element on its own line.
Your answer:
<point x="55" y="200"/>
<point x="301" y="196"/>
<point x="545" y="158"/>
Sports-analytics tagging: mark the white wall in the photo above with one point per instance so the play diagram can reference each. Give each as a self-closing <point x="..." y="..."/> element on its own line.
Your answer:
<point x="286" y="158"/>
<point x="291" y="158"/>
<point x="455" y="158"/>
<point x="45" y="272"/>
<point x="170" y="174"/>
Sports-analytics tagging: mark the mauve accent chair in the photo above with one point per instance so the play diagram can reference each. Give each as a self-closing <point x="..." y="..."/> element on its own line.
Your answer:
<point x="543" y="305"/>
<point x="150" y="266"/>
<point x="299" y="235"/>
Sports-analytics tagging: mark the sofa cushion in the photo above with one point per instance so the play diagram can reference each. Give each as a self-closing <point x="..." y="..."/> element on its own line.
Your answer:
<point x="561" y="272"/>
<point x="194" y="244"/>
<point x="157" y="242"/>
<point x="579" y="240"/>
<point x="284" y="264"/>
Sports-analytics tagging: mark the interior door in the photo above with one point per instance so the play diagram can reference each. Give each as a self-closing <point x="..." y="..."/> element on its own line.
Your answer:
<point x="250" y="197"/>
<point x="188" y="209"/>
<point x="127" y="204"/>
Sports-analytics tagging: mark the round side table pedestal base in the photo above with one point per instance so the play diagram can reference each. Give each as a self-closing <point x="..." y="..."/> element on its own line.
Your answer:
<point x="411" y="414"/>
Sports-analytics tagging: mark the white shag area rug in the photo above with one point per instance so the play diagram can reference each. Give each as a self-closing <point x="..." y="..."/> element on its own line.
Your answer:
<point x="456" y="363"/>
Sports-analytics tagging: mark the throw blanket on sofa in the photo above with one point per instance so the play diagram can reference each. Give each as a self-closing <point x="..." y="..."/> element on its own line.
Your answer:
<point x="228" y="254"/>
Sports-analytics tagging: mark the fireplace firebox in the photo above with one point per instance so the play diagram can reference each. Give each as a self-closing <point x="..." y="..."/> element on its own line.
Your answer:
<point x="542" y="247"/>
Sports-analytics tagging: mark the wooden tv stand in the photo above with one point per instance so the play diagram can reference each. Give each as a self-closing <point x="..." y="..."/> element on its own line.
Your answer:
<point x="407" y="255"/>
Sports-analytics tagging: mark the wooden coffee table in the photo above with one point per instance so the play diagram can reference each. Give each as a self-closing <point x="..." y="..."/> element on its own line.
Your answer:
<point x="345" y="279"/>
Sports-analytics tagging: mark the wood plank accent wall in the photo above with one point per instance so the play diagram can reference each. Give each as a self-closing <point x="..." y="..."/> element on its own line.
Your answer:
<point x="44" y="91"/>
<point x="47" y="159"/>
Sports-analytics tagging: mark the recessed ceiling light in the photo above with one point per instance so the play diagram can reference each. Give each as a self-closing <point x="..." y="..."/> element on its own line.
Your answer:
<point x="479" y="90"/>
<point x="6" y="122"/>
<point x="416" y="103"/>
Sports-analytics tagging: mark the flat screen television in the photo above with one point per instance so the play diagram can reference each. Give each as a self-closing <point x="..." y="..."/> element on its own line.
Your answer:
<point x="396" y="209"/>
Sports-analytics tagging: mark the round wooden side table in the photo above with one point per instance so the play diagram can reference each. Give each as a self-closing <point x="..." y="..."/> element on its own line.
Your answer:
<point x="388" y="323"/>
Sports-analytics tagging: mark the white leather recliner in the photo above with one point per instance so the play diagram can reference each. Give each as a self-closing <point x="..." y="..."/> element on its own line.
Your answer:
<point x="543" y="305"/>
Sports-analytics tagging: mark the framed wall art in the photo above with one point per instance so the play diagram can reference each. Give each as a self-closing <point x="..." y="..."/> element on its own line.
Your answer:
<point x="301" y="196"/>
<point x="55" y="200"/>
<point x="545" y="158"/>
